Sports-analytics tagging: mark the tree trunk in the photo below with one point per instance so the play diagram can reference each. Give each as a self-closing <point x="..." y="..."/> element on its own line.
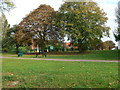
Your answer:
<point x="81" y="46"/>
<point x="17" y="47"/>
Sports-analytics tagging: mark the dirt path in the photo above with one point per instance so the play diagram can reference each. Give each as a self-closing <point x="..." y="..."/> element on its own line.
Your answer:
<point x="61" y="59"/>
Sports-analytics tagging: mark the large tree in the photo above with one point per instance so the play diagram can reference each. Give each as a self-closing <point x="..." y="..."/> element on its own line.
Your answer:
<point x="82" y="22"/>
<point x="39" y="24"/>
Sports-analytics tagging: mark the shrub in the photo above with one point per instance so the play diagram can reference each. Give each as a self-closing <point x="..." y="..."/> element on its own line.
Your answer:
<point x="24" y="49"/>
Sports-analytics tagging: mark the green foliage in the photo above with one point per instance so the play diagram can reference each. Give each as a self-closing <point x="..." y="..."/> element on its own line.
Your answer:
<point x="57" y="45"/>
<point x="4" y="37"/>
<point x="10" y="49"/>
<point x="58" y="74"/>
<point x="39" y="25"/>
<point x="95" y="44"/>
<point x="117" y="36"/>
<point x="82" y="22"/>
<point x="6" y="5"/>
<point x="24" y="49"/>
<point x="8" y="41"/>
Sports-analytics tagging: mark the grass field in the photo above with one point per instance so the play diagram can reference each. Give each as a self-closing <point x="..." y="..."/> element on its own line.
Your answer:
<point x="93" y="55"/>
<point x="21" y="73"/>
<point x="59" y="74"/>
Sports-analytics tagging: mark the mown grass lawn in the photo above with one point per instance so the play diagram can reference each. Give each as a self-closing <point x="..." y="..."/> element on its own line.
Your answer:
<point x="59" y="74"/>
<point x="92" y="55"/>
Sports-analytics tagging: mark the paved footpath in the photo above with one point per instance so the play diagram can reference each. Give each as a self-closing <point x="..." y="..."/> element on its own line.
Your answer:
<point x="61" y="59"/>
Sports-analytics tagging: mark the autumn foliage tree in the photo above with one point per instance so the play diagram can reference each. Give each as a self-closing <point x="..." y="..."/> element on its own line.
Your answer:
<point x="39" y="24"/>
<point x="108" y="45"/>
<point x="82" y="22"/>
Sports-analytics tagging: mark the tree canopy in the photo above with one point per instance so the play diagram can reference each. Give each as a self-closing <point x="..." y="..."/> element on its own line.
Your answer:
<point x="82" y="22"/>
<point x="39" y="24"/>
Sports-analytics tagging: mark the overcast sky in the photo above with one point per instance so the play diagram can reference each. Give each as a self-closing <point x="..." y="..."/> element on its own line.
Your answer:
<point x="23" y="7"/>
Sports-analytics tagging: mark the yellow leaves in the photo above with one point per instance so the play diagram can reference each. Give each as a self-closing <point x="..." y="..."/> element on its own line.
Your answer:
<point x="70" y="24"/>
<point x="110" y="83"/>
<point x="45" y="81"/>
<point x="113" y="83"/>
<point x="89" y="30"/>
<point x="8" y="73"/>
<point x="77" y="11"/>
<point x="73" y="84"/>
